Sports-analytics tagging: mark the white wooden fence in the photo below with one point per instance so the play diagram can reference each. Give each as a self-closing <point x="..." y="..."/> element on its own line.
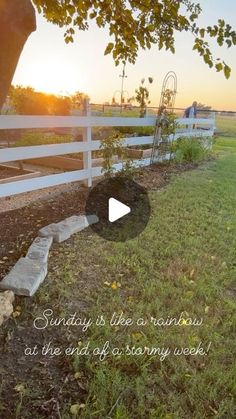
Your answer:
<point x="202" y="127"/>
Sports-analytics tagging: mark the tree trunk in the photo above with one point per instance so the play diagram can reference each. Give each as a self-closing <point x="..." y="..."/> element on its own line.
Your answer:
<point x="17" y="21"/>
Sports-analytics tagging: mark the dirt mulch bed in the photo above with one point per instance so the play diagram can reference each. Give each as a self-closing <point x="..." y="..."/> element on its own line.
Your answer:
<point x="19" y="227"/>
<point x="6" y="172"/>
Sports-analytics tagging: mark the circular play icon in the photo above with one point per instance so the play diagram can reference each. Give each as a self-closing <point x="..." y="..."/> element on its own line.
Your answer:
<point x="122" y="207"/>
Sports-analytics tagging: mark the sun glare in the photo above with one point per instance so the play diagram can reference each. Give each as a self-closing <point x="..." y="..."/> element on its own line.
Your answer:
<point x="52" y="76"/>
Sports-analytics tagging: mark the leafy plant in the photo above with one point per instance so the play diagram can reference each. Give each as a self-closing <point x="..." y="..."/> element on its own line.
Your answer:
<point x="191" y="149"/>
<point x="165" y="130"/>
<point x="168" y="124"/>
<point x="128" y="170"/>
<point x="167" y="97"/>
<point x="114" y="146"/>
<point x="142" y="96"/>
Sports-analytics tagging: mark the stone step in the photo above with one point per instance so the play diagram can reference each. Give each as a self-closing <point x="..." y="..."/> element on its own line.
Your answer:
<point x="25" y="277"/>
<point x="39" y="249"/>
<point x="64" y="229"/>
<point x="29" y="272"/>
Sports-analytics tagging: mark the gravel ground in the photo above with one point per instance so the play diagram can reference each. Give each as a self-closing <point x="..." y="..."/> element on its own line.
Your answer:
<point x="24" y="199"/>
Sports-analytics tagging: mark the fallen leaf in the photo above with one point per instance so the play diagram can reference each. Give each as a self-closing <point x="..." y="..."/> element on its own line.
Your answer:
<point x="107" y="283"/>
<point x="75" y="408"/>
<point x="16" y="314"/>
<point x="115" y="285"/>
<point x="20" y="388"/>
<point x="136" y="335"/>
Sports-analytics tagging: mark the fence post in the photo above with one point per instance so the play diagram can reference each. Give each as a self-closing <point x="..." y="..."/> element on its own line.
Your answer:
<point x="213" y="116"/>
<point x="87" y="136"/>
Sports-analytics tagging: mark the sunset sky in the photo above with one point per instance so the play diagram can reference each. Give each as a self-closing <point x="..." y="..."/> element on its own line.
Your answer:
<point x="49" y="65"/>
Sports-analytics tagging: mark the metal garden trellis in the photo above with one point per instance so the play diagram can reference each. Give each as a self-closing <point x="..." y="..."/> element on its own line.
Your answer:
<point x="162" y="142"/>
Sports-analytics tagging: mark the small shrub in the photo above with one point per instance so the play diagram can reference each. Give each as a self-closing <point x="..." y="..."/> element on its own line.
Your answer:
<point x="142" y="97"/>
<point x="191" y="149"/>
<point x="114" y="146"/>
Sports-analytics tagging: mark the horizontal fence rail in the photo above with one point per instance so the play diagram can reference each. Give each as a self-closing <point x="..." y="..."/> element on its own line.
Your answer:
<point x="31" y="122"/>
<point x="34" y="152"/>
<point x="188" y="127"/>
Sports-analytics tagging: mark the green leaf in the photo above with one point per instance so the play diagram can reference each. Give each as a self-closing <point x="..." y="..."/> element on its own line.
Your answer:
<point x="68" y="39"/>
<point x="109" y="48"/>
<point x="219" y="67"/>
<point x="227" y="71"/>
<point x="221" y="23"/>
<point x="99" y="21"/>
<point x="202" y="32"/>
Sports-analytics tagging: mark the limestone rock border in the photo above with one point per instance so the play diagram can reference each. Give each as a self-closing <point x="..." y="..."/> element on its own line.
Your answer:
<point x="30" y="271"/>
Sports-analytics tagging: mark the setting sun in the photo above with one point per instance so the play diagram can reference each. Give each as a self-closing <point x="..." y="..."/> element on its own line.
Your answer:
<point x="52" y="74"/>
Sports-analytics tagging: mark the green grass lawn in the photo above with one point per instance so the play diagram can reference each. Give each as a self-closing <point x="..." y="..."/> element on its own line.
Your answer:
<point x="184" y="262"/>
<point x="226" y="125"/>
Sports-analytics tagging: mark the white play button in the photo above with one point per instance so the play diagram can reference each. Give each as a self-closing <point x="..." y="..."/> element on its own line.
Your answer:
<point x="117" y="210"/>
<point x="122" y="207"/>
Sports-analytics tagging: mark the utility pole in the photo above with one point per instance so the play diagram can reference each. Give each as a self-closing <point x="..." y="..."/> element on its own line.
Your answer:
<point x="123" y="76"/>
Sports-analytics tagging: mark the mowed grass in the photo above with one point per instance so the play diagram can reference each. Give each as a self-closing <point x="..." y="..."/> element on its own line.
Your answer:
<point x="226" y="126"/>
<point x="184" y="262"/>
